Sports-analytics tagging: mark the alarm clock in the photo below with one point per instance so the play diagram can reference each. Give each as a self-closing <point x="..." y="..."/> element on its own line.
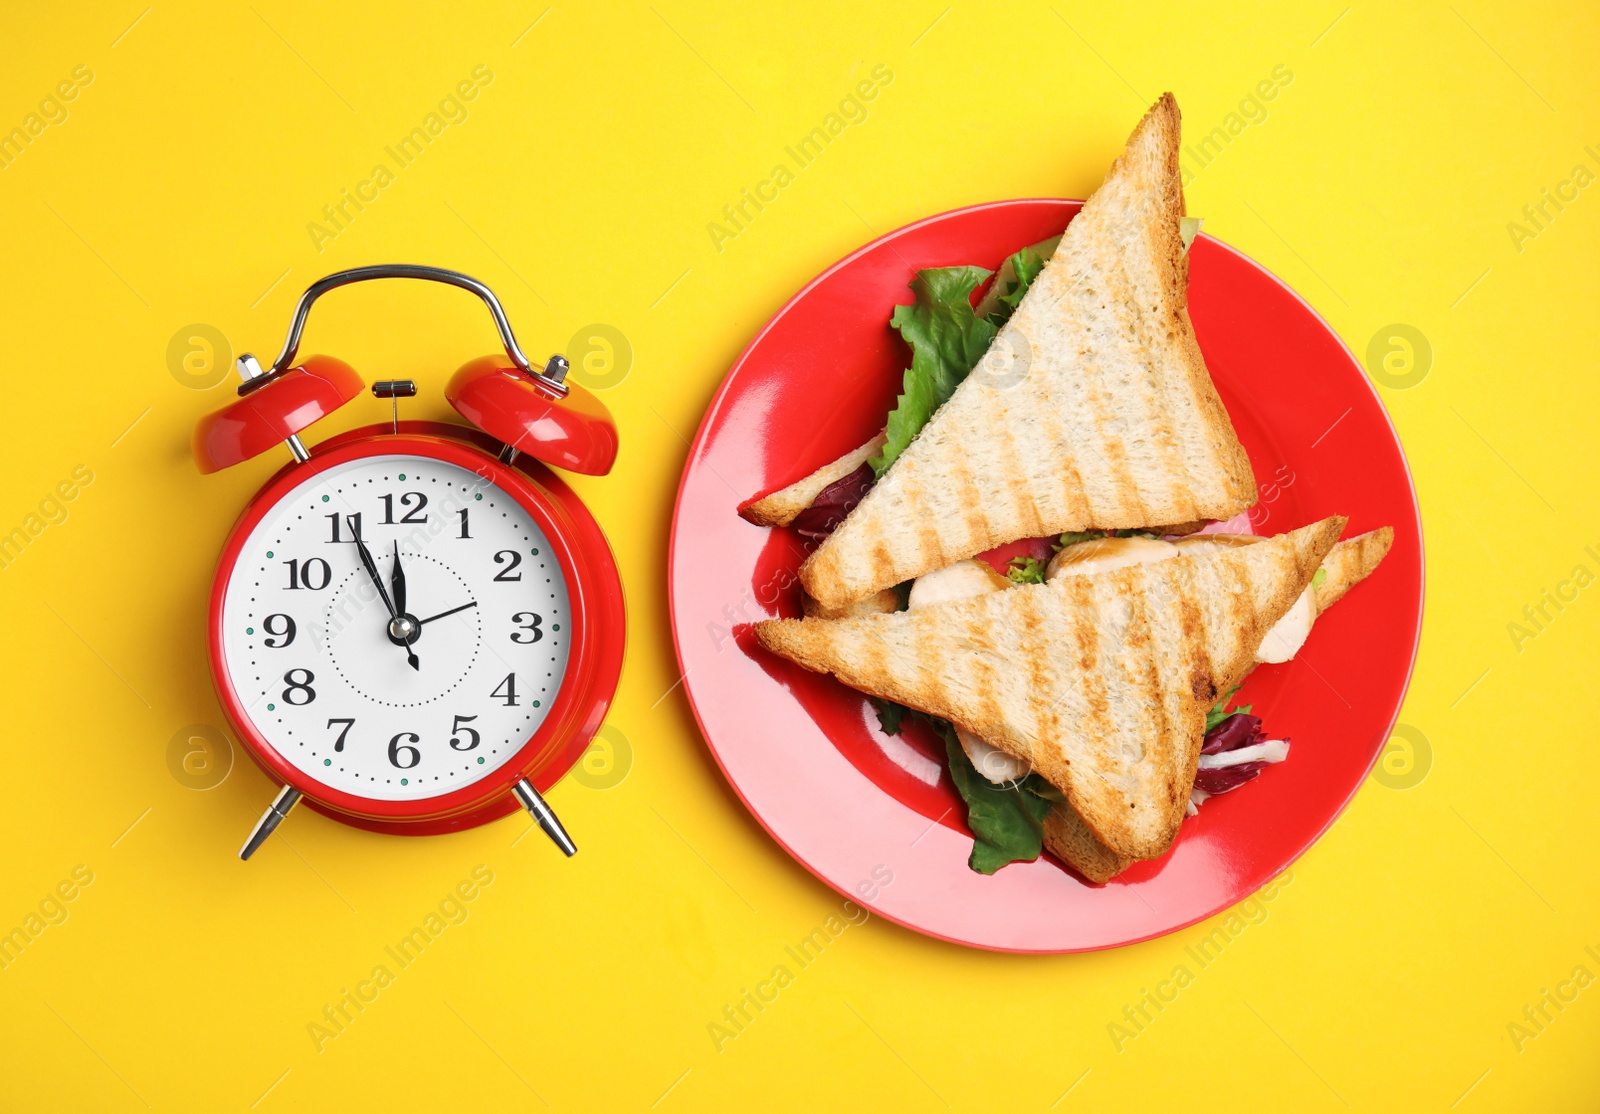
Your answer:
<point x="415" y="627"/>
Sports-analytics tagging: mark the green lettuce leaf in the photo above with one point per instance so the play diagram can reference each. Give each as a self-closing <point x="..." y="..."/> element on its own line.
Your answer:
<point x="889" y="714"/>
<point x="1039" y="787"/>
<point x="1006" y="821"/>
<point x="1025" y="570"/>
<point x="1318" y="577"/>
<point x="1026" y="265"/>
<point x="948" y="336"/>
<point x="1013" y="279"/>
<point x="947" y="340"/>
<point x="1073" y="537"/>
<point x="1220" y="711"/>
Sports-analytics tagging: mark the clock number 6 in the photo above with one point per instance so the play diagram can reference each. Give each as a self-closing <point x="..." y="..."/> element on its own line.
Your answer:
<point x="456" y="728"/>
<point x="302" y="686"/>
<point x="396" y="749"/>
<point x="532" y="625"/>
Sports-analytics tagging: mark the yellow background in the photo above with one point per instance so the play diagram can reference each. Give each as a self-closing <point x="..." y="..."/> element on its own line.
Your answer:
<point x="178" y="191"/>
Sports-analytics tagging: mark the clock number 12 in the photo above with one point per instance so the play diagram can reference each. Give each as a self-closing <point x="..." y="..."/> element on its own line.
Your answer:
<point x="414" y="515"/>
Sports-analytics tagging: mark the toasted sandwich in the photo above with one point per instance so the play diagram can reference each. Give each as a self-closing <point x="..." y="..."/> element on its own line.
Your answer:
<point x="1099" y="682"/>
<point x="1092" y="409"/>
<point x="1351" y="561"/>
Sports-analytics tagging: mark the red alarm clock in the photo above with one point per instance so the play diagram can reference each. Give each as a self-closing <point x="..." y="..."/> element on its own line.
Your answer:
<point x="415" y="626"/>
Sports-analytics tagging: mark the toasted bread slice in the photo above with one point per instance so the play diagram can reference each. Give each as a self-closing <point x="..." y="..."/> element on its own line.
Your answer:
<point x="1093" y="408"/>
<point x="1101" y="681"/>
<point x="1351" y="562"/>
<point x="879" y="603"/>
<point x="1069" y="839"/>
<point x="781" y="507"/>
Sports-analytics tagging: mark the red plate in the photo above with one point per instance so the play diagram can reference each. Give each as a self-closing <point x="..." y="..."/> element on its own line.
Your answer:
<point x="857" y="807"/>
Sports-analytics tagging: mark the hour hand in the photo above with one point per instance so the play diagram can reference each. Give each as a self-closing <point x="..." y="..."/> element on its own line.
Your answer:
<point x="397" y="582"/>
<point x="401" y="628"/>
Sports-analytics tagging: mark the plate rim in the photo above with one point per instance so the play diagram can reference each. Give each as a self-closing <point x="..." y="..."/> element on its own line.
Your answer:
<point x="696" y="445"/>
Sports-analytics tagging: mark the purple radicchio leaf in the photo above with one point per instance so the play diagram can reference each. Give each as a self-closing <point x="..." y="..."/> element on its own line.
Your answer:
<point x="833" y="503"/>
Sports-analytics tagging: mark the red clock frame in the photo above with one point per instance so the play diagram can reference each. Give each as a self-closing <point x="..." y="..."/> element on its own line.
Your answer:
<point x="594" y="664"/>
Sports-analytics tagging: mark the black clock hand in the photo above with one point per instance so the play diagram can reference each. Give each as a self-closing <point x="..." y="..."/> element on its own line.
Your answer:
<point x="442" y="614"/>
<point x="372" y="568"/>
<point x="397" y="582"/>
<point x="396" y="620"/>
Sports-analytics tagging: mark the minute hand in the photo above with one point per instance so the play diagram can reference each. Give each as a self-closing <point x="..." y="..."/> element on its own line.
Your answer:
<point x="372" y="570"/>
<point x="377" y="582"/>
<point x="442" y="614"/>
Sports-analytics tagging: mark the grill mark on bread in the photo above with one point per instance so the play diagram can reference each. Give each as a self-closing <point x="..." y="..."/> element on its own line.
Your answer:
<point x="1097" y="722"/>
<point x="980" y="644"/>
<point x="927" y="660"/>
<point x="972" y="513"/>
<point x="1203" y="587"/>
<point x="1026" y="506"/>
<point x="1034" y="621"/>
<point x="1142" y="646"/>
<point x="1059" y="477"/>
<point x="929" y="545"/>
<point x="874" y="659"/>
<point x="1240" y="623"/>
<point x="1192" y="646"/>
<point x="1350" y="562"/>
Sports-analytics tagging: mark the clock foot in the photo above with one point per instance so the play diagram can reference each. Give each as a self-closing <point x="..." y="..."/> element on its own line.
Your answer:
<point x="286" y="799"/>
<point x="529" y="796"/>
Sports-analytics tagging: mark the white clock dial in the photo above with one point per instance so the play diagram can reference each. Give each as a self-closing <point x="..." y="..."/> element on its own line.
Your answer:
<point x="321" y="666"/>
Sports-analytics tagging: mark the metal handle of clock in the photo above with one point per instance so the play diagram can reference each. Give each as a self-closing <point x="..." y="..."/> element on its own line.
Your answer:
<point x="551" y="378"/>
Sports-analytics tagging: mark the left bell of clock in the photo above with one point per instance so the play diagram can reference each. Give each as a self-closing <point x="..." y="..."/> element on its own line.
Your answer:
<point x="273" y="408"/>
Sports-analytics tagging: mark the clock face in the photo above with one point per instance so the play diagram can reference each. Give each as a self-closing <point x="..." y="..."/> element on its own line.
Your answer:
<point x="396" y="688"/>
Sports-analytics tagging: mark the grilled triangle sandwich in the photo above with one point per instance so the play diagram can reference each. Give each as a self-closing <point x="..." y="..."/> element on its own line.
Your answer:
<point x="1100" y="681"/>
<point x="1092" y="409"/>
<point x="1071" y="840"/>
